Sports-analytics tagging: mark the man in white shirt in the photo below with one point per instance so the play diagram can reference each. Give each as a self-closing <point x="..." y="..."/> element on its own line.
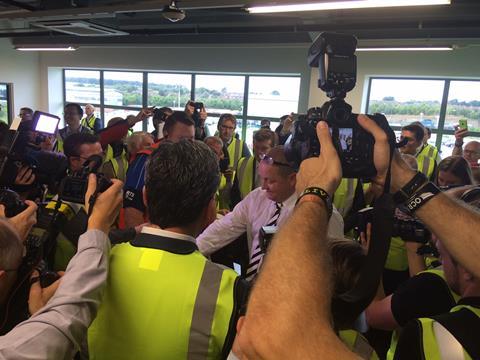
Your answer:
<point x="258" y="209"/>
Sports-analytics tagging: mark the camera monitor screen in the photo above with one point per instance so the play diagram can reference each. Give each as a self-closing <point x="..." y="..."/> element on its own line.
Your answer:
<point x="346" y="138"/>
<point x="45" y="123"/>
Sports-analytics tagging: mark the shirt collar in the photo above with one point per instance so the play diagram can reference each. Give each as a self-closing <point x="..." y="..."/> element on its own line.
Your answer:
<point x="290" y="202"/>
<point x="160" y="232"/>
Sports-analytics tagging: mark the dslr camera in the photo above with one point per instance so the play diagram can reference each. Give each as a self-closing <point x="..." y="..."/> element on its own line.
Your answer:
<point x="334" y="56"/>
<point x="74" y="186"/>
<point x="19" y="147"/>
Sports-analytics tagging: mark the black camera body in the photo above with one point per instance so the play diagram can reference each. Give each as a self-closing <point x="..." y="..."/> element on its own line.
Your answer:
<point x="12" y="202"/>
<point x="20" y="147"/>
<point x="74" y="186"/>
<point x="333" y="54"/>
<point x="411" y="231"/>
<point x="265" y="237"/>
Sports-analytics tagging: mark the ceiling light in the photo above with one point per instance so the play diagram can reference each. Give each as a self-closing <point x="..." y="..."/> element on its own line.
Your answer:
<point x="410" y="48"/>
<point x="337" y="5"/>
<point x="46" y="48"/>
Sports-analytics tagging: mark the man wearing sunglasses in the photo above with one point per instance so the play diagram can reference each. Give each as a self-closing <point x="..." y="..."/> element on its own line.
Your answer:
<point x="269" y="205"/>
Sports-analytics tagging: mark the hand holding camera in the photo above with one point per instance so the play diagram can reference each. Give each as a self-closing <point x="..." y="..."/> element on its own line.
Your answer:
<point x="22" y="221"/>
<point x="107" y="204"/>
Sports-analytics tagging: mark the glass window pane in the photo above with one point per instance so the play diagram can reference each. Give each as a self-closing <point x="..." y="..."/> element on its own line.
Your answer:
<point x="123" y="88"/>
<point x="463" y="103"/>
<point x="448" y="142"/>
<point x="254" y="125"/>
<point x="172" y="90"/>
<point x="3" y="103"/>
<point x="403" y="101"/>
<point x="123" y="113"/>
<point x="82" y="86"/>
<point x="272" y="96"/>
<point x="220" y="94"/>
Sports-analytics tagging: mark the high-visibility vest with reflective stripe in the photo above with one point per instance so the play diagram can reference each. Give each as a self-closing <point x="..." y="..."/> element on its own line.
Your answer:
<point x="426" y="165"/>
<point x="58" y="147"/>
<point x="393" y="344"/>
<point x="235" y="150"/>
<point x="432" y="152"/>
<point x="89" y="122"/>
<point x="439" y="343"/>
<point x="221" y="203"/>
<point x="108" y="153"/>
<point x="358" y="344"/>
<point x="343" y="197"/>
<point x="120" y="166"/>
<point x="161" y="305"/>
<point x="397" y="255"/>
<point x="245" y="175"/>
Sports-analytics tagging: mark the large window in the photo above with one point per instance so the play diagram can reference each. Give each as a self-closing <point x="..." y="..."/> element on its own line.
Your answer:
<point x="82" y="86"/>
<point x="121" y="93"/>
<point x="439" y="104"/>
<point x="4" y="103"/>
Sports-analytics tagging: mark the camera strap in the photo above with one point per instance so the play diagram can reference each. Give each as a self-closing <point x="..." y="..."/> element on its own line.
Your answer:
<point x="357" y="299"/>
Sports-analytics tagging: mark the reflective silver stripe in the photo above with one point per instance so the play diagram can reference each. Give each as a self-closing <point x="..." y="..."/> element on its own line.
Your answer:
<point x="448" y="346"/>
<point x="362" y="347"/>
<point x="204" y="311"/>
<point x="119" y="167"/>
<point x="349" y="196"/>
<point x="236" y="154"/>
<point x="425" y="165"/>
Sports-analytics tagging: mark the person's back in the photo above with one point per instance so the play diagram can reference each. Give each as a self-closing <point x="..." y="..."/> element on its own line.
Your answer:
<point x="163" y="298"/>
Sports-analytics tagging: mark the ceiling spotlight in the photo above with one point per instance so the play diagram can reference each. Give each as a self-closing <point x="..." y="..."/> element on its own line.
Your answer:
<point x="172" y="12"/>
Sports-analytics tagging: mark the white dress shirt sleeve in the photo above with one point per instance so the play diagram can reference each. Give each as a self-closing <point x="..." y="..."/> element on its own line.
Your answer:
<point x="225" y="230"/>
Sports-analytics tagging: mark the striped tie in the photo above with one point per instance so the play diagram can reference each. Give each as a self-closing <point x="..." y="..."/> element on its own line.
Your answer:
<point x="257" y="256"/>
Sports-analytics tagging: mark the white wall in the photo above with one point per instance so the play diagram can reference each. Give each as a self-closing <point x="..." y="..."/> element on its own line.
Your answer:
<point x="21" y="69"/>
<point x="281" y="60"/>
<point x="458" y="63"/>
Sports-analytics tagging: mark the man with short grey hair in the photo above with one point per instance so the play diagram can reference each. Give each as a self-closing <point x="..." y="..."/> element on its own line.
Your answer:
<point x="90" y="120"/>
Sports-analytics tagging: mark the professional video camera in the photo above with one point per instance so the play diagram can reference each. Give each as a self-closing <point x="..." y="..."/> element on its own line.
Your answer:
<point x="334" y="55"/>
<point x="74" y="187"/>
<point x="20" y="147"/>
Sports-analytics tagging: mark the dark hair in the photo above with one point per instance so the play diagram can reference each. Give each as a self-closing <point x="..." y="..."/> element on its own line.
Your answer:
<point x="225" y="117"/>
<point x="72" y="144"/>
<point x="27" y="109"/>
<point x="417" y="131"/>
<point x="277" y="153"/>
<point x="348" y="258"/>
<point x="458" y="166"/>
<point x="177" y="116"/>
<point x="76" y="106"/>
<point x="263" y="135"/>
<point x="181" y="179"/>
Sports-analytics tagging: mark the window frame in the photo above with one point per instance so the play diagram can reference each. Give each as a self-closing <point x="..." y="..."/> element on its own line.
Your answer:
<point x="440" y="130"/>
<point x="9" y="99"/>
<point x="101" y="106"/>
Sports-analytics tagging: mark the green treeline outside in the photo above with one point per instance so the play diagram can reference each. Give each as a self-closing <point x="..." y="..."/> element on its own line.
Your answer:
<point x="162" y="94"/>
<point x="388" y="106"/>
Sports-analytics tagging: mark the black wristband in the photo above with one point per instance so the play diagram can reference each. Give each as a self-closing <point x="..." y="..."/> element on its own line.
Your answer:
<point x="413" y="186"/>
<point x="322" y="194"/>
<point x="422" y="197"/>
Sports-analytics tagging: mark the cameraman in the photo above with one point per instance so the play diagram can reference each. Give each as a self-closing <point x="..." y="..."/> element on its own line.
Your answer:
<point x="158" y="122"/>
<point x="59" y="323"/>
<point x="414" y="135"/>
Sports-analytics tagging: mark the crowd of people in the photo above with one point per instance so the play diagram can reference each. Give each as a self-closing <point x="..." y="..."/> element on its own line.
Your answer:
<point x="201" y="249"/>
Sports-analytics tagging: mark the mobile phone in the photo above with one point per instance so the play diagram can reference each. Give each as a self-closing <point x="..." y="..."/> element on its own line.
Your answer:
<point x="463" y="124"/>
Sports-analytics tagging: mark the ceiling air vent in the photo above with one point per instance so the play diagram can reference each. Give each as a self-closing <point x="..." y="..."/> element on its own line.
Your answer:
<point x="79" y="28"/>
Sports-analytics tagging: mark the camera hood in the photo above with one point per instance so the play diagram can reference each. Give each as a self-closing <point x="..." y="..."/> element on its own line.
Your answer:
<point x="331" y="43"/>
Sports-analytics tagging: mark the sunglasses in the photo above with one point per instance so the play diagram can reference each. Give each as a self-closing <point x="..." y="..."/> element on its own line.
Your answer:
<point x="268" y="160"/>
